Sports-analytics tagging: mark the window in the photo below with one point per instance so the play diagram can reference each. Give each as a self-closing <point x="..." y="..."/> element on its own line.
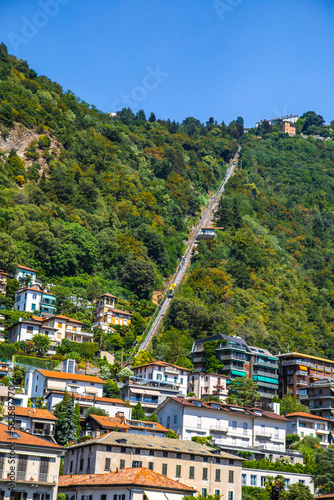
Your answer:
<point x="150" y="465"/>
<point x="175" y="419"/>
<point x="230" y="461"/>
<point x="164" y="469"/>
<point x="107" y="464"/>
<point x="192" y="457"/>
<point x="205" y="459"/>
<point x="234" y="424"/>
<point x="301" y="481"/>
<point x="30" y="329"/>
<point x="166" y="378"/>
<point x="231" y="476"/>
<point x="205" y="474"/>
<point x="71" y="466"/>
<point x="178" y="471"/>
<point x="137" y="463"/>
<point x="276" y="432"/>
<point x="230" y="495"/>
<point x="199" y="422"/>
<point x="217" y="460"/>
<point x="217" y="493"/>
<point x="217" y="474"/>
<point x="82" y="463"/>
<point x="191" y="472"/>
<point x="243" y="479"/>
<point x="253" y="480"/>
<point x="151" y="453"/>
<point x="137" y="451"/>
<point x="168" y="422"/>
<point x="103" y="497"/>
<point x="175" y="380"/>
<point x="60" y="325"/>
<point x="178" y="455"/>
<point x="123" y="449"/>
<point x="33" y="307"/>
<point x="245" y="426"/>
<point x="181" y="380"/>
<point x="88" y="463"/>
<point x="165" y="454"/>
<point x="122" y="463"/>
<point x="204" y="492"/>
<point x="287" y="482"/>
<point x="263" y="481"/>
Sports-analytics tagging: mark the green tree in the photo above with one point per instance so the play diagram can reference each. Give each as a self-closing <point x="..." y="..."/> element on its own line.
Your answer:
<point x="68" y="424"/>
<point x="19" y="376"/>
<point x="153" y="417"/>
<point x="92" y="410"/>
<point x="142" y="358"/>
<point x="152" y="117"/>
<point x="171" y="435"/>
<point x="276" y="487"/>
<point x="291" y="439"/>
<point x="299" y="491"/>
<point x="140" y="277"/>
<point x="243" y="391"/>
<point x="323" y="475"/>
<point x="111" y="389"/>
<point x="184" y="362"/>
<point x="212" y="362"/>
<point x="138" y="412"/>
<point x="42" y="343"/>
<point x="291" y="404"/>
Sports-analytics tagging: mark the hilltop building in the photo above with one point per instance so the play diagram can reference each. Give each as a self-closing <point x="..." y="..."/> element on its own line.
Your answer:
<point x="240" y="360"/>
<point x="37" y="465"/>
<point x="33" y="299"/>
<point x="26" y="275"/>
<point x="273" y="121"/>
<point x="203" y="468"/>
<point x="297" y="371"/>
<point x="107" y="315"/>
<point x="287" y="128"/>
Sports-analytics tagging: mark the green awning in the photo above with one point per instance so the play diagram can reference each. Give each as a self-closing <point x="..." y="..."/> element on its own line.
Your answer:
<point x="269" y="380"/>
<point x="238" y="374"/>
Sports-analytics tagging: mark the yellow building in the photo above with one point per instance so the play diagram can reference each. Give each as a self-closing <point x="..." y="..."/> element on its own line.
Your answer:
<point x="3" y="282"/>
<point x="107" y="315"/>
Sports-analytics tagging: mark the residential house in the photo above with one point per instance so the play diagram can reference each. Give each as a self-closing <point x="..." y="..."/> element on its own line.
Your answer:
<point x="296" y="371"/>
<point x="97" y="425"/>
<point x="39" y="382"/>
<point x="36" y="468"/>
<point x="240" y="360"/>
<point x="273" y="121"/>
<point x="304" y="424"/>
<point x="107" y="315"/>
<point x="232" y="427"/>
<point x="3" y="281"/>
<point x="125" y="484"/>
<point x="166" y="372"/>
<point x="4" y="369"/>
<point x="319" y="397"/>
<point x="37" y="421"/>
<point x="207" y="384"/>
<point x="287" y="128"/>
<point x="26" y="275"/>
<point x="257" y="478"/>
<point x="207" y="470"/>
<point x="33" y="299"/>
<point x="111" y="406"/>
<point x="69" y="328"/>
<point x="148" y="392"/>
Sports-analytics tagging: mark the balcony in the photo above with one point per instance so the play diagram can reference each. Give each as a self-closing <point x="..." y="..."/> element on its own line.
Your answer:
<point x="263" y="435"/>
<point x="266" y="374"/>
<point x="33" y="477"/>
<point x="170" y="369"/>
<point x="222" y="430"/>
<point x="301" y="382"/>
<point x="268" y="364"/>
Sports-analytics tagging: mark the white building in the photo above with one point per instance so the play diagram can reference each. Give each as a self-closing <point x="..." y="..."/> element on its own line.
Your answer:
<point x="257" y="478"/>
<point x="33" y="299"/>
<point x="305" y="424"/>
<point x="37" y="464"/>
<point x="287" y="118"/>
<point x="126" y="484"/>
<point x="56" y="327"/>
<point x="232" y="427"/>
<point x="37" y="421"/>
<point x="26" y="274"/>
<point x="39" y="382"/>
<point x="164" y="372"/>
<point x="207" y="384"/>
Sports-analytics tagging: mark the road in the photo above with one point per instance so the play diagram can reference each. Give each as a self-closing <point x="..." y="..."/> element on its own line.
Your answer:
<point x="206" y="219"/>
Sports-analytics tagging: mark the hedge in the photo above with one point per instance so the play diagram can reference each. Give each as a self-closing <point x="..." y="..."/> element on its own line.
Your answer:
<point x="277" y="466"/>
<point x="46" y="364"/>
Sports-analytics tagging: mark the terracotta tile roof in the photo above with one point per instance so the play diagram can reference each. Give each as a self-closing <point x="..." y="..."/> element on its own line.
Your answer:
<point x="81" y="398"/>
<point x="107" y="295"/>
<point x="325" y="497"/>
<point x="144" y="442"/>
<point x="112" y="422"/>
<point x="162" y="363"/>
<point x="138" y="476"/>
<point x="308" y="415"/>
<point x="28" y="268"/>
<point x="3" y="272"/>
<point x="37" y="318"/>
<point x="60" y="316"/>
<point x="70" y="376"/>
<point x="121" y="312"/>
<point x="25" y="439"/>
<point x="40" y="413"/>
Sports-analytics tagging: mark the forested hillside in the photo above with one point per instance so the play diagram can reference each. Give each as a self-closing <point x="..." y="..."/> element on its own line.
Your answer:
<point x="268" y="277"/>
<point x="96" y="202"/>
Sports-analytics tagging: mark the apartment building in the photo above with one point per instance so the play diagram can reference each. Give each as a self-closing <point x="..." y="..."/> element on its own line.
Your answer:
<point x="111" y="406"/>
<point x="166" y="372"/>
<point x="56" y="327"/>
<point x="126" y="484"/>
<point x="37" y="421"/>
<point x="97" y="425"/>
<point x="26" y="275"/>
<point x="257" y="478"/>
<point x="107" y="315"/>
<point x="201" y="467"/>
<point x="304" y="424"/>
<point x="319" y="397"/>
<point x="3" y="282"/>
<point x="33" y="299"/>
<point x="36" y="468"/>
<point x="207" y="384"/>
<point x="297" y="371"/>
<point x="241" y="360"/>
<point x="39" y="382"/>
<point x="286" y="118"/>
<point x="232" y="427"/>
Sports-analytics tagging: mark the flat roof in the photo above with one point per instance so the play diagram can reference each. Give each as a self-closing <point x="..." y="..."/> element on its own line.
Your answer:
<point x="304" y="356"/>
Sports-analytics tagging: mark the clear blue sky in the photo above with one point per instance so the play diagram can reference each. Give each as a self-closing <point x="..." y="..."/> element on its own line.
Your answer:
<point x="179" y="58"/>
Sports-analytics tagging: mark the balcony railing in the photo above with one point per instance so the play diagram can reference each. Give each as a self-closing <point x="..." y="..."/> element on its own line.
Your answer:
<point x="33" y="477"/>
<point x="223" y="430"/>
<point x="263" y="434"/>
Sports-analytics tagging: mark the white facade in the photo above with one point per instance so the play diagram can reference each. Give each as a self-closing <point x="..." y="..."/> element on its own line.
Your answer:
<point x="25" y="273"/>
<point x="121" y="493"/>
<point x="304" y="425"/>
<point x="230" y="427"/>
<point x="32" y="300"/>
<point x="39" y="382"/>
<point x="257" y="478"/>
<point x="164" y="372"/>
<point x="207" y="384"/>
<point x="27" y="328"/>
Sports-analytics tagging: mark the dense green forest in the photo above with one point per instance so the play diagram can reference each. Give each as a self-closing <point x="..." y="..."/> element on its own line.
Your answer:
<point x="269" y="276"/>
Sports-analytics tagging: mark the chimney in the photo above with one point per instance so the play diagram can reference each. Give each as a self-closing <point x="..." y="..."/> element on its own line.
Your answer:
<point x="120" y="415"/>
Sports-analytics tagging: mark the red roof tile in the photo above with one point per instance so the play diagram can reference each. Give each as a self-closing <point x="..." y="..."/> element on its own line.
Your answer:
<point x="24" y="439"/>
<point x="82" y="398"/>
<point x="60" y="316"/>
<point x="308" y="415"/>
<point x="70" y="376"/>
<point x="28" y="268"/>
<point x="40" y="413"/>
<point x="112" y="422"/>
<point x="138" y="476"/>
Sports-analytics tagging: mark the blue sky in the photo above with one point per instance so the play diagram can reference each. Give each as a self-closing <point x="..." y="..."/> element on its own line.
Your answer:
<point x="179" y="58"/>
